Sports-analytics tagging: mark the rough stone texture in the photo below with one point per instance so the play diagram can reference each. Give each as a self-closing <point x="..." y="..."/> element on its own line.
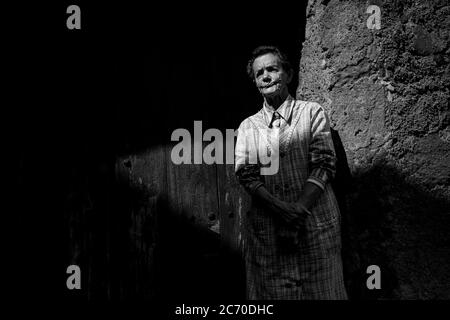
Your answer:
<point x="387" y="94"/>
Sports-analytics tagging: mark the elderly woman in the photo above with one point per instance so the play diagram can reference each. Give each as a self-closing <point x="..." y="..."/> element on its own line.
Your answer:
<point x="292" y="231"/>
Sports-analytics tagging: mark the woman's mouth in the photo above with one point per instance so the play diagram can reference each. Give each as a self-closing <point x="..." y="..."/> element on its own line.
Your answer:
<point x="270" y="85"/>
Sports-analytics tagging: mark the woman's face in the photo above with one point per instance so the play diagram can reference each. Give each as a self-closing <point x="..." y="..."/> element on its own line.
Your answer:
<point x="270" y="77"/>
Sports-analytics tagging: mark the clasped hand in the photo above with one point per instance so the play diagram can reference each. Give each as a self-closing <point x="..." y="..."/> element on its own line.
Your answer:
<point x="293" y="213"/>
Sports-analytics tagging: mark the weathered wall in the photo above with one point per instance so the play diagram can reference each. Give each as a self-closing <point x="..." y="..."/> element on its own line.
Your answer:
<point x="387" y="93"/>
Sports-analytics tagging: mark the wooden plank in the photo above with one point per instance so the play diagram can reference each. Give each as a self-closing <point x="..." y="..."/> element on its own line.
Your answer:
<point x="142" y="178"/>
<point x="189" y="232"/>
<point x="234" y="203"/>
<point x="192" y="192"/>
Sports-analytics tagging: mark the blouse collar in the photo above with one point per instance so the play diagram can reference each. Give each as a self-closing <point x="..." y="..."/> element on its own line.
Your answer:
<point x="285" y="110"/>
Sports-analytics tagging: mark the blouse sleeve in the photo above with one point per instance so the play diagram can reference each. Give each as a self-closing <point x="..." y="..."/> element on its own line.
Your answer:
<point x="247" y="170"/>
<point x="249" y="177"/>
<point x="322" y="157"/>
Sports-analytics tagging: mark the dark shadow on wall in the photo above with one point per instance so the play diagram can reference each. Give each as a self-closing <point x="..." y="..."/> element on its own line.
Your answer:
<point x="406" y="229"/>
<point x="398" y="226"/>
<point x="342" y="186"/>
<point x="395" y="224"/>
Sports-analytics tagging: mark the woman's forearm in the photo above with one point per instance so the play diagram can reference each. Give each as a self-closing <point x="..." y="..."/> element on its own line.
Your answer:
<point x="268" y="199"/>
<point x="308" y="197"/>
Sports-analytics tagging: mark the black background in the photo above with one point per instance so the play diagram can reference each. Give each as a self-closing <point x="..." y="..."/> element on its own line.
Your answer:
<point x="124" y="82"/>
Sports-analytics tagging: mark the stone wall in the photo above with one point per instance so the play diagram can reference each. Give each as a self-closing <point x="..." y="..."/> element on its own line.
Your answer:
<point x="387" y="93"/>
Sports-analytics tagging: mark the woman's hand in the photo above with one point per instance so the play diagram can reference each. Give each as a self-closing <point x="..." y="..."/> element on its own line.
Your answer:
<point x="293" y="214"/>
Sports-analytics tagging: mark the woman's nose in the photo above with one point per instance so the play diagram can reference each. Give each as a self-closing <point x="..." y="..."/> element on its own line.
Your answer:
<point x="266" y="76"/>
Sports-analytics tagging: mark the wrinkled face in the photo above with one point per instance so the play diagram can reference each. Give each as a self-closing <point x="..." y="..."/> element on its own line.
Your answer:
<point x="270" y="77"/>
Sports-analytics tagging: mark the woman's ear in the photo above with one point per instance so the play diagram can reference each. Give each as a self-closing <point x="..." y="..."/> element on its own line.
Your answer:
<point x="290" y="76"/>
